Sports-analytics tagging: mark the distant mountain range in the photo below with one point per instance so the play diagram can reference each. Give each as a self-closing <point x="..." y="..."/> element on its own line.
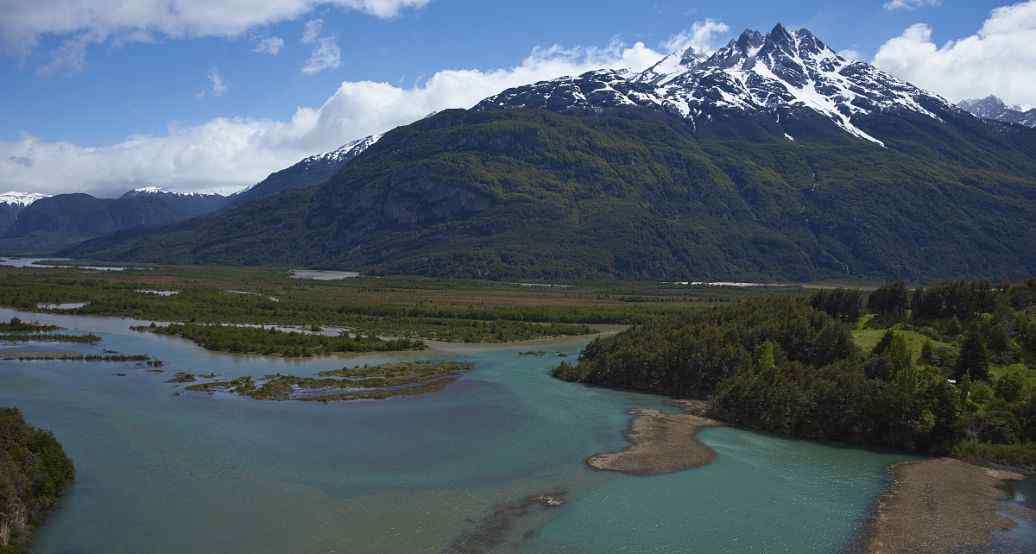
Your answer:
<point x="996" y="109"/>
<point x="33" y="223"/>
<point x="11" y="204"/>
<point x="771" y="158"/>
<point x="44" y="224"/>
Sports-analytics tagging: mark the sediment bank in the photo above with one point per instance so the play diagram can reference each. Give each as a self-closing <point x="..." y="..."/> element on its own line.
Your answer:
<point x="938" y="506"/>
<point x="659" y="443"/>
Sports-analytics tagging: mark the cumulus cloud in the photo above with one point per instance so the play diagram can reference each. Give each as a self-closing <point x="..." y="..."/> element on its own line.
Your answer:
<point x="910" y="5"/>
<point x="227" y="153"/>
<point x="326" y="55"/>
<point x="23" y="23"/>
<point x="998" y="59"/>
<point x="701" y="36"/>
<point x="271" y="46"/>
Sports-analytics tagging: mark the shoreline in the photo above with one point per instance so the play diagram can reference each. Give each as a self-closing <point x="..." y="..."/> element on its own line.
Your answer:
<point x="660" y="443"/>
<point x="939" y="505"/>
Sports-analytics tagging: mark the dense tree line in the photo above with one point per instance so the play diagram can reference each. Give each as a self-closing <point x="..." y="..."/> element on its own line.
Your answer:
<point x="272" y="342"/>
<point x="790" y="366"/>
<point x="34" y="472"/>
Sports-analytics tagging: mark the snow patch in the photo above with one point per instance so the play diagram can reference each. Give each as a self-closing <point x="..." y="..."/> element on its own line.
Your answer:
<point x="21" y="198"/>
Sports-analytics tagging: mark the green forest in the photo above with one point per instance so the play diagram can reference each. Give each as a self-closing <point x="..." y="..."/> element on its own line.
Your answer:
<point x="954" y="369"/>
<point x="34" y="472"/>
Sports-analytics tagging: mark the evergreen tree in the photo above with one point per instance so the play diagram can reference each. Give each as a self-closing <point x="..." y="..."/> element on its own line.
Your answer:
<point x="899" y="354"/>
<point x="927" y="353"/>
<point x="974" y="359"/>
<point x="890" y="301"/>
<point x="884" y="344"/>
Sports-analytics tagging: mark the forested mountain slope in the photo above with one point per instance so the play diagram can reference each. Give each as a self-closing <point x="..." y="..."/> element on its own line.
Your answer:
<point x="633" y="193"/>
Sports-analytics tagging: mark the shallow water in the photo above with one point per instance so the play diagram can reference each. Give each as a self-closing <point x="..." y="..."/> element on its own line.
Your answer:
<point x="63" y="307"/>
<point x="34" y="264"/>
<point x="1021" y="538"/>
<point x="161" y="473"/>
<point x="323" y="275"/>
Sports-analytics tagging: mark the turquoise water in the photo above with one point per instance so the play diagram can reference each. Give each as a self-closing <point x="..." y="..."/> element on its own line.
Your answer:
<point x="162" y="473"/>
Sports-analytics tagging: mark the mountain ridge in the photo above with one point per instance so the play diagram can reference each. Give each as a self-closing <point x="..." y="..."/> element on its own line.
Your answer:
<point x="309" y="171"/>
<point x="992" y="107"/>
<point x="717" y="167"/>
<point x="65" y="219"/>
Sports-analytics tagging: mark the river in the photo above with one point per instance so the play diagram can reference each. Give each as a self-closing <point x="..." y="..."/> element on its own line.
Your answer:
<point x="164" y="473"/>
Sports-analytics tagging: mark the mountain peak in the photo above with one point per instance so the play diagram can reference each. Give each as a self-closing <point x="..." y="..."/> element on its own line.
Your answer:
<point x="779" y="32"/>
<point x="992" y="107"/>
<point x="151" y="190"/>
<point x="749" y="40"/>
<point x="781" y="74"/>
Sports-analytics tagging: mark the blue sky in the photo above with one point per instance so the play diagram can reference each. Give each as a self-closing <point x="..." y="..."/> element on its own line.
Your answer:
<point x="153" y="76"/>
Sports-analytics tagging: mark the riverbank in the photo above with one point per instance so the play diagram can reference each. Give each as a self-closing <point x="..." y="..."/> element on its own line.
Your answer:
<point x="941" y="505"/>
<point x="660" y="443"/>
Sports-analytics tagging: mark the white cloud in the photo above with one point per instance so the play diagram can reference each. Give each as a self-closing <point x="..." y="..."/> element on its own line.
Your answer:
<point x="311" y="30"/>
<point x="851" y="54"/>
<point x="219" y="86"/>
<point x="701" y="36"/>
<point x="998" y="59"/>
<point x="325" y="56"/>
<point x="234" y="152"/>
<point x="22" y="23"/>
<point x="910" y="5"/>
<point x="271" y="46"/>
<point x="70" y="57"/>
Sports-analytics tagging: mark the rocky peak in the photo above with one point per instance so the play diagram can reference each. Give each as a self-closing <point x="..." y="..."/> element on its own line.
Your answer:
<point x="992" y="107"/>
<point x="781" y="73"/>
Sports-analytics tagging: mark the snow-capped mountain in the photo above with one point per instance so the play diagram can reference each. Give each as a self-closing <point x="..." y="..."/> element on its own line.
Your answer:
<point x="782" y="74"/>
<point x="12" y="203"/>
<point x="992" y="107"/>
<point x="159" y="191"/>
<point x="346" y="152"/>
<point x="309" y="171"/>
<point x="16" y="198"/>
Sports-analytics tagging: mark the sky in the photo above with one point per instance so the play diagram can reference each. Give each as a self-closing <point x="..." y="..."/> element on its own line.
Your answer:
<point x="102" y="96"/>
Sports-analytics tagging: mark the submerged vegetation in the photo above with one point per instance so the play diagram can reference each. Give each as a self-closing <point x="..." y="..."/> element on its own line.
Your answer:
<point x="34" y="472"/>
<point x="78" y="357"/>
<point x="954" y="369"/>
<point x="272" y="342"/>
<point x="361" y="383"/>
<point x="20" y="337"/>
<point x="16" y="325"/>
<point x="17" y="330"/>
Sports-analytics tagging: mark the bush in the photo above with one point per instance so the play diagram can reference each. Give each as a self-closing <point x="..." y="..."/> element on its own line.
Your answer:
<point x="34" y="472"/>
